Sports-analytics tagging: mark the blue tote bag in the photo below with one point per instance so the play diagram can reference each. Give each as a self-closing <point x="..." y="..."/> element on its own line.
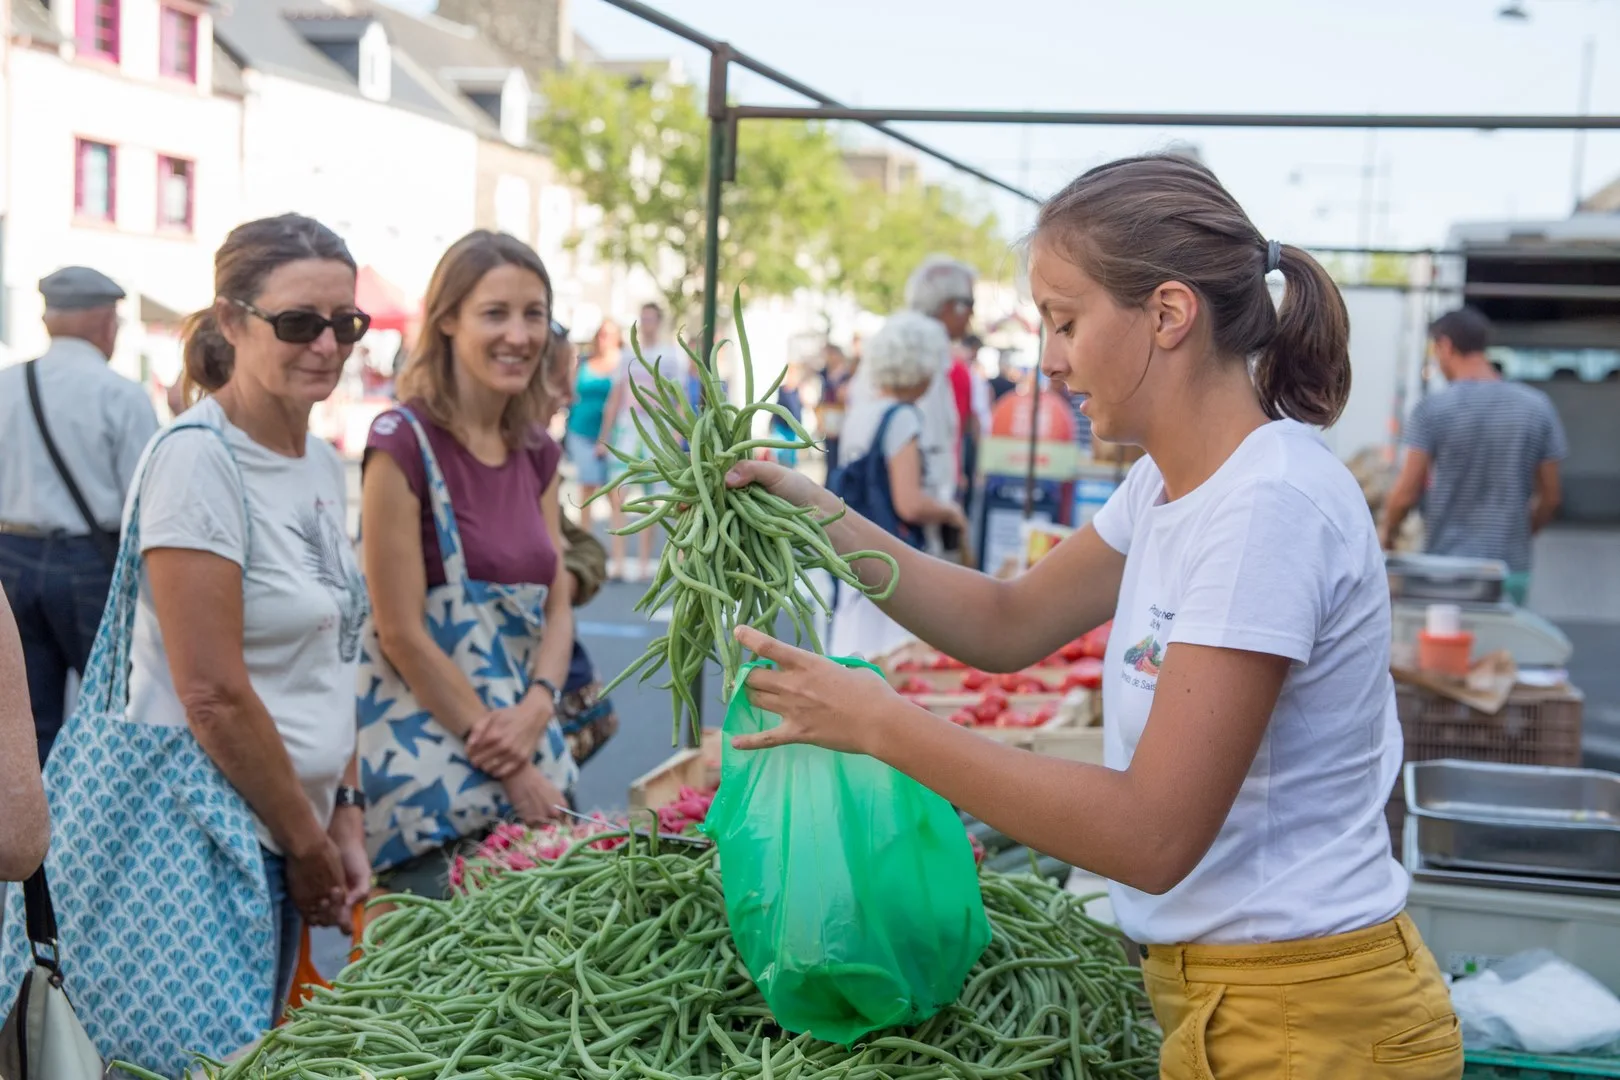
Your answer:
<point x="166" y="934"/>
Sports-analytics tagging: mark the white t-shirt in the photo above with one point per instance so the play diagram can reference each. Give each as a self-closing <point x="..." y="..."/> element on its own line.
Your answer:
<point x="1275" y="553"/>
<point x="303" y="599"/>
<point x="859" y="627"/>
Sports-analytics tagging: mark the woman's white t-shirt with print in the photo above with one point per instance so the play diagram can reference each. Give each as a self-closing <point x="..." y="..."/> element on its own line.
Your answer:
<point x="303" y="599"/>
<point x="1275" y="553"/>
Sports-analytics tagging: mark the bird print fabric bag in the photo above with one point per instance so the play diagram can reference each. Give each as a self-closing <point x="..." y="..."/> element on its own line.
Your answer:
<point x="421" y="788"/>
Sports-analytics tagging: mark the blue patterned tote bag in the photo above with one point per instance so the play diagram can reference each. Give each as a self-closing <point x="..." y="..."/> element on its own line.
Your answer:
<point x="422" y="790"/>
<point x="166" y="935"/>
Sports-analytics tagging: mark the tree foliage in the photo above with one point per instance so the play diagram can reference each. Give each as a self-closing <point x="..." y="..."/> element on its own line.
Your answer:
<point x="794" y="217"/>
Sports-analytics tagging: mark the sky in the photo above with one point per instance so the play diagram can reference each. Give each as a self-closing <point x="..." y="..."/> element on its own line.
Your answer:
<point x="1302" y="187"/>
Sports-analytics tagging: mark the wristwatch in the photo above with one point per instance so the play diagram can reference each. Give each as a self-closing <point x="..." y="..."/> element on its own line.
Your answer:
<point x="550" y="688"/>
<point x="351" y="796"/>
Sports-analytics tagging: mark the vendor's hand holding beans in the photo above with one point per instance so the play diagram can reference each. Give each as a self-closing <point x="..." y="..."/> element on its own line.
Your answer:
<point x="820" y="702"/>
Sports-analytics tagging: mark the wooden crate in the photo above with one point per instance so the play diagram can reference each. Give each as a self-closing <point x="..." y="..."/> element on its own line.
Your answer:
<point x="1073" y="743"/>
<point x="694" y="767"/>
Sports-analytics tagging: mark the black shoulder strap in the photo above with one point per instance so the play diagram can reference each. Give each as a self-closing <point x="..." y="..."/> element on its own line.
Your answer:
<point x="97" y="534"/>
<point x="41" y="918"/>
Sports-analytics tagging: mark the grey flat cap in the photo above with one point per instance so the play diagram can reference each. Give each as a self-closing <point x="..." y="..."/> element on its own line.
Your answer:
<point x="78" y="288"/>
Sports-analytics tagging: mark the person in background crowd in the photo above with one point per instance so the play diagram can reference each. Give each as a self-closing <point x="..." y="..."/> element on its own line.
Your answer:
<point x="588" y="719"/>
<point x="56" y="554"/>
<point x="27" y="820"/>
<point x="835" y="376"/>
<point x="972" y="409"/>
<point x="1239" y="816"/>
<point x="619" y="432"/>
<point x="1005" y="380"/>
<point x="475" y="385"/>
<point x="1482" y="456"/>
<point x="942" y="289"/>
<point x="788" y="396"/>
<point x="589" y="396"/>
<point x="905" y="358"/>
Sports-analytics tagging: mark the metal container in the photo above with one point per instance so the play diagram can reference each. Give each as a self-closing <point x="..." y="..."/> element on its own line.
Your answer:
<point x="1516" y="819"/>
<point x="1445" y="578"/>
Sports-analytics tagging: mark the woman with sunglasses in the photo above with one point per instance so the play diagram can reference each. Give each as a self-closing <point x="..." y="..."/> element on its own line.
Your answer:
<point x="461" y="522"/>
<point x="221" y="814"/>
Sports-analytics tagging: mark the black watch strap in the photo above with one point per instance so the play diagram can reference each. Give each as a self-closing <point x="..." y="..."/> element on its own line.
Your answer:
<point x="351" y="796"/>
<point x="550" y="688"/>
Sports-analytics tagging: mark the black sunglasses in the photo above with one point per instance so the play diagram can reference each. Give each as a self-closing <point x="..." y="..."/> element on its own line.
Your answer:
<point x="303" y="327"/>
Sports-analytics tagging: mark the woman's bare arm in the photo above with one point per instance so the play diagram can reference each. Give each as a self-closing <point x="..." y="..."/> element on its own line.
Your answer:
<point x="27" y="829"/>
<point x="912" y="504"/>
<point x="991" y="624"/>
<point x="390" y="531"/>
<point x="198" y="599"/>
<point x="1147" y="826"/>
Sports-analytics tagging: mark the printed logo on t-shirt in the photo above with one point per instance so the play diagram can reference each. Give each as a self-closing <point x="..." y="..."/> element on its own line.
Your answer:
<point x="1143" y="659"/>
<point x="324" y="556"/>
<point x="387" y="423"/>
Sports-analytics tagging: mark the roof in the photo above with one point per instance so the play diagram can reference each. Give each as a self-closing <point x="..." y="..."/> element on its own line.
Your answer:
<point x="30" y="19"/>
<point x="275" y="37"/>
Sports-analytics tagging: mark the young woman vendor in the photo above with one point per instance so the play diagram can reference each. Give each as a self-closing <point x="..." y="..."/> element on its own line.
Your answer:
<point x="1249" y="717"/>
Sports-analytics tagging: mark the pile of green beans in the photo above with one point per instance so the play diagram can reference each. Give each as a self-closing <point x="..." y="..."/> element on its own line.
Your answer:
<point x="736" y="556"/>
<point x="619" y="965"/>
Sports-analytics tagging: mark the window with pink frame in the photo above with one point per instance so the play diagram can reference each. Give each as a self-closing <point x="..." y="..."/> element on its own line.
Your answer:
<point x="176" y="193"/>
<point x="95" y="181"/>
<point x="96" y="28"/>
<point x="177" y="46"/>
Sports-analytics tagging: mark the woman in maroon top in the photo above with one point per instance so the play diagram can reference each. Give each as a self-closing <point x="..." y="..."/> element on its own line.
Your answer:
<point x="475" y="383"/>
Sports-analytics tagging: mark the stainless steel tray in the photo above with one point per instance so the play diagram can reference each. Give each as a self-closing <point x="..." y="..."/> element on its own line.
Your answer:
<point x="1445" y="579"/>
<point x="1517" y="819"/>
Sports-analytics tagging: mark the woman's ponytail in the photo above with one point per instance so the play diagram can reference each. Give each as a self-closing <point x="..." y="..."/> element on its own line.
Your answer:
<point x="1303" y="371"/>
<point x="209" y="358"/>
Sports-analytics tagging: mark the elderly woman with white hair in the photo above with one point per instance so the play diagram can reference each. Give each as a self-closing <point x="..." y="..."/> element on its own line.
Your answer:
<point x="881" y="450"/>
<point x="942" y="288"/>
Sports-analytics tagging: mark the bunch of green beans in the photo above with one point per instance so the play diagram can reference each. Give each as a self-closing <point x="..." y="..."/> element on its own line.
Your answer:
<point x="736" y="556"/>
<point x="619" y="965"/>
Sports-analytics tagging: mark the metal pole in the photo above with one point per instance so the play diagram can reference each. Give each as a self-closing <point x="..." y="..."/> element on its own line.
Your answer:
<point x="1435" y="122"/>
<point x="719" y="65"/>
<point x="1588" y="57"/>
<point x="787" y="82"/>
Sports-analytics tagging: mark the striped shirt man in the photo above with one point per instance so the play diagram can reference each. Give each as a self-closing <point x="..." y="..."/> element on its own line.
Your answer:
<point x="1482" y="455"/>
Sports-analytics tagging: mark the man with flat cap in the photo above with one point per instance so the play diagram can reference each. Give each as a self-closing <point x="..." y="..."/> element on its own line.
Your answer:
<point x="71" y="432"/>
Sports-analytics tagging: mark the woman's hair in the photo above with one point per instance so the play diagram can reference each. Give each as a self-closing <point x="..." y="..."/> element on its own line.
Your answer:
<point x="429" y="373"/>
<point x="608" y="326"/>
<point x="908" y="351"/>
<point x="249" y="255"/>
<point x="1134" y="224"/>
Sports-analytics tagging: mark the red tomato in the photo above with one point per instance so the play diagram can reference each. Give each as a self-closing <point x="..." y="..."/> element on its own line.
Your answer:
<point x="1009" y="681"/>
<point x="948" y="663"/>
<point x="1085" y="675"/>
<point x="1043" y="715"/>
<point x="975" y="680"/>
<point x="1031" y="684"/>
<point x="1096" y="641"/>
<point x="915" y="685"/>
<point x="965" y="718"/>
<point x="910" y="664"/>
<point x="1074" y="650"/>
<point x="990" y="705"/>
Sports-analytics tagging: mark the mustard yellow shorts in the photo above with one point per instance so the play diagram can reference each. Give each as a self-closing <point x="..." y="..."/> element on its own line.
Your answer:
<point x="1367" y="1004"/>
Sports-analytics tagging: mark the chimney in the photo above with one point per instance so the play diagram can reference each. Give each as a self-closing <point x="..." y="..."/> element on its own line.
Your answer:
<point x="537" y="33"/>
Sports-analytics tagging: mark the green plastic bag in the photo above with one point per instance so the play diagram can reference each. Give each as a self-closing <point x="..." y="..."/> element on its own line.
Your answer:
<point x="851" y="889"/>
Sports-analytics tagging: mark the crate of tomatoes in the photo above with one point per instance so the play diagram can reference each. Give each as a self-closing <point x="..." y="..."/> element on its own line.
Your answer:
<point x="1060" y="691"/>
